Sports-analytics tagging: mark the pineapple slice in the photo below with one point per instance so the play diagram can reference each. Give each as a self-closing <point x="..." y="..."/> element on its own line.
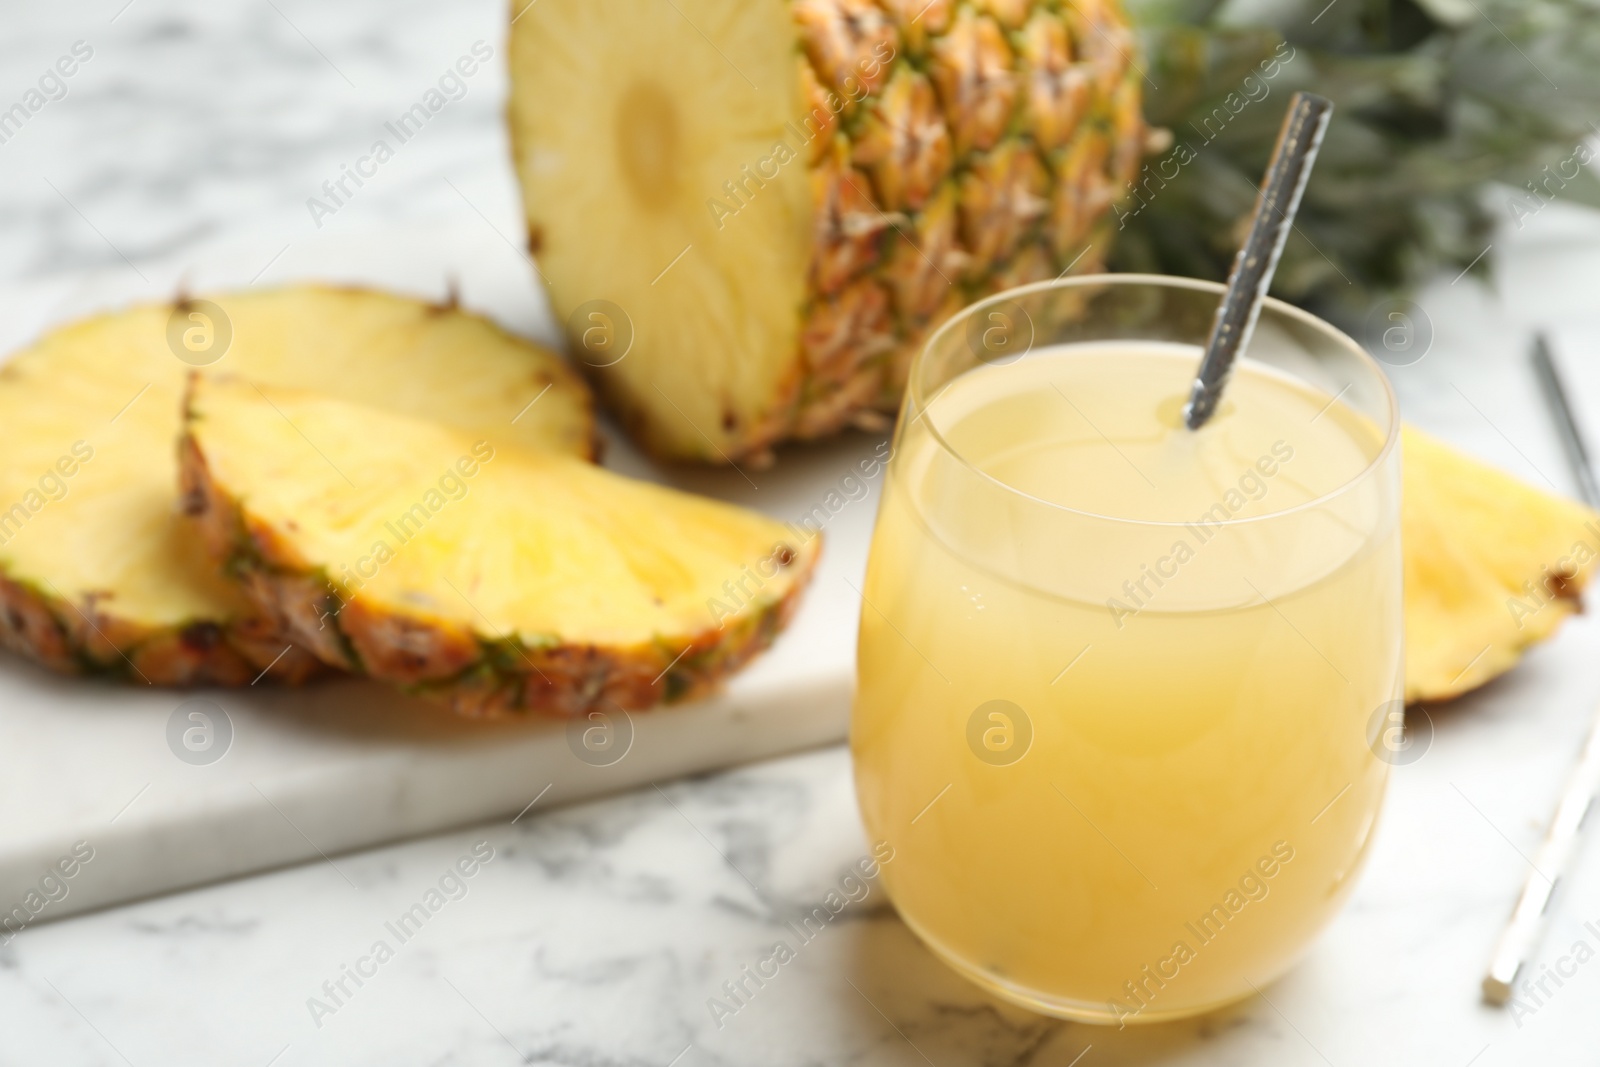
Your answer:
<point x="492" y="578"/>
<point x="750" y="214"/>
<point x="1491" y="567"/>
<point x="97" y="566"/>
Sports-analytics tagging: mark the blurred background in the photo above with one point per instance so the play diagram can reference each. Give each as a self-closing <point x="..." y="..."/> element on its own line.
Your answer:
<point x="193" y="124"/>
<point x="187" y="128"/>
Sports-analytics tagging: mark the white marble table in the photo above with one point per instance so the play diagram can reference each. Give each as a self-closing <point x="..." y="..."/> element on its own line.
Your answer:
<point x="596" y="933"/>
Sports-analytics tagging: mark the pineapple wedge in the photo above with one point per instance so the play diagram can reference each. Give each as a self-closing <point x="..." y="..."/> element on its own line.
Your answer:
<point x="1491" y="566"/>
<point x="98" y="569"/>
<point x="750" y="214"/>
<point x="492" y="578"/>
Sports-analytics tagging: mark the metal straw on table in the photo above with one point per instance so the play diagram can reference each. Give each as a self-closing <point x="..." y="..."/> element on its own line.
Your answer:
<point x="1555" y="851"/>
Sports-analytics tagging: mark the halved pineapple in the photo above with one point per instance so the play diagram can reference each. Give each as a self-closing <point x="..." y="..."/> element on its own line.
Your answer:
<point x="491" y="577"/>
<point x="749" y="214"/>
<point x="1491" y="566"/>
<point x="98" y="571"/>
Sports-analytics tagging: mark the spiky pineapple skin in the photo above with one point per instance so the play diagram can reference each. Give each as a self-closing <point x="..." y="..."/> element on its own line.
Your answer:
<point x="954" y="150"/>
<point x="448" y="663"/>
<point x="73" y="638"/>
<point x="982" y="155"/>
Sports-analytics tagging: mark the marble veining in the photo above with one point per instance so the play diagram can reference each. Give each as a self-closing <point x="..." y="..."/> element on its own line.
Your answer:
<point x="599" y="933"/>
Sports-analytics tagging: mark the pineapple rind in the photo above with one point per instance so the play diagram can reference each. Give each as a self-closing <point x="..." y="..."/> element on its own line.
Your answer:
<point x="1004" y="100"/>
<point x="456" y="661"/>
<point x="107" y="646"/>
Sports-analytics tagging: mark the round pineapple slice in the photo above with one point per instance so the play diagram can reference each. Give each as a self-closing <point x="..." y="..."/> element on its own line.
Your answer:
<point x="493" y="578"/>
<point x="99" y="571"/>
<point x="749" y="214"/>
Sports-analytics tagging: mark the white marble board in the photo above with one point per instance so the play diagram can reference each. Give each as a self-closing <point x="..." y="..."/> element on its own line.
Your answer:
<point x="339" y="766"/>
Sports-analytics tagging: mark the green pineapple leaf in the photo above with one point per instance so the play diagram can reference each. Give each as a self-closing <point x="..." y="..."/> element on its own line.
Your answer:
<point x="1452" y="117"/>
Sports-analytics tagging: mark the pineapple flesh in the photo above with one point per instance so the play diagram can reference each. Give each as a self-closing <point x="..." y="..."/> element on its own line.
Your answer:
<point x="750" y="214"/>
<point x="1492" y="566"/>
<point x="493" y="578"/>
<point x="98" y="567"/>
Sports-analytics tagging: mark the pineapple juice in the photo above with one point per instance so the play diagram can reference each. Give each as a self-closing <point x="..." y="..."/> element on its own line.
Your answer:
<point x="1117" y="680"/>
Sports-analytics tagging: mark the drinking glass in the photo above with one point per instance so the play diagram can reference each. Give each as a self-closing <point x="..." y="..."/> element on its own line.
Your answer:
<point x="1124" y="689"/>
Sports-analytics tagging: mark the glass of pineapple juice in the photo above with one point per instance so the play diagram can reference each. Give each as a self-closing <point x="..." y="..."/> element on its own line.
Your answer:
<point x="1119" y="683"/>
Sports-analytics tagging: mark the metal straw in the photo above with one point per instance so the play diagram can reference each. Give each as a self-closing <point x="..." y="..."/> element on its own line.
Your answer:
<point x="1555" y="394"/>
<point x="1270" y="223"/>
<point x="1521" y="934"/>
